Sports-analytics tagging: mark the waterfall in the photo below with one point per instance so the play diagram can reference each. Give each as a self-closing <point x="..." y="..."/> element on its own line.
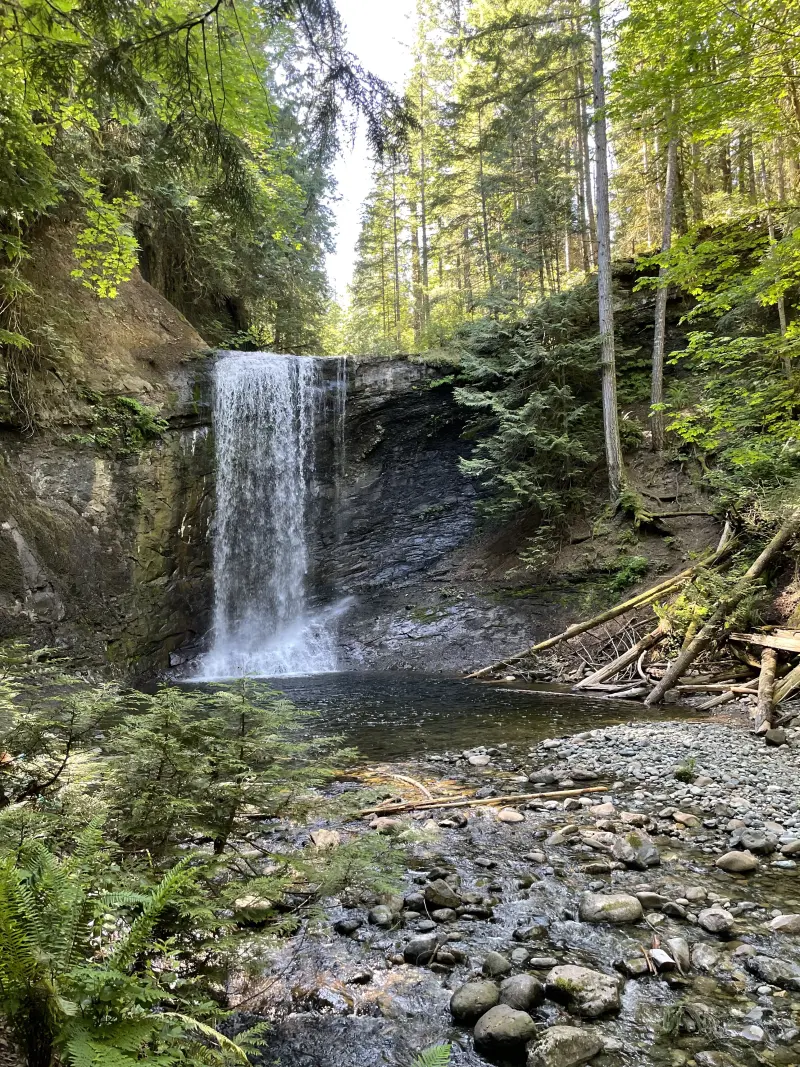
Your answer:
<point x="269" y="416"/>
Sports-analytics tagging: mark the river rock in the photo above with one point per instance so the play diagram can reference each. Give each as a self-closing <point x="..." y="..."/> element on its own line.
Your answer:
<point x="521" y="991"/>
<point x="444" y="915"/>
<point x="635" y="849"/>
<point x="420" y="950"/>
<point x="564" y="1046"/>
<point x="438" y="894"/>
<point x="479" y="759"/>
<point x="716" y="920"/>
<point x="776" y="737"/>
<point x="738" y="862"/>
<point x="609" y="908"/>
<point x="510" y="815"/>
<point x="347" y="927"/>
<point x="384" y="825"/>
<point x="791" y="848"/>
<point x="560" y="837"/>
<point x="472" y="1000"/>
<point x="325" y="839"/>
<point x="503" y="1032"/>
<point x="584" y="992"/>
<point x="633" y="967"/>
<point x="684" y="818"/>
<point x="495" y="964"/>
<point x="381" y="915"/>
<point x="775" y="972"/>
<point x="705" y="957"/>
<point x="786" y="924"/>
<point x="750" y="839"/>
<point x="678" y="948"/>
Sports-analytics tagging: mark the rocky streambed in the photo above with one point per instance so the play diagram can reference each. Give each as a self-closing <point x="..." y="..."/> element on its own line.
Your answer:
<point x="610" y="927"/>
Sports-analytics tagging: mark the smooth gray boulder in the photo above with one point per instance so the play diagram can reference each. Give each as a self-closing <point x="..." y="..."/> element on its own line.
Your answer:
<point x="472" y="1000"/>
<point x="522" y="992"/>
<point x="738" y="862"/>
<point x="609" y="908"/>
<point x="503" y="1033"/>
<point x="495" y="964"/>
<point x="584" y="992"/>
<point x="564" y="1046"/>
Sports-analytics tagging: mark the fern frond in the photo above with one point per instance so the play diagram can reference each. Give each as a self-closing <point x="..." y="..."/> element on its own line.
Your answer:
<point x="232" y="1048"/>
<point x="438" y="1056"/>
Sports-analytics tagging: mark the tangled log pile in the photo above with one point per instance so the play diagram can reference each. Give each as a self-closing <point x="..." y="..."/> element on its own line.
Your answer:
<point x="769" y="679"/>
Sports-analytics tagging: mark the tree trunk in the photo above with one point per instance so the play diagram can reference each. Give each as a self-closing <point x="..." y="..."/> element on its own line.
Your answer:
<point x="604" y="285"/>
<point x="587" y="159"/>
<point x="397" y="334"/>
<point x="484" y="209"/>
<point x="657" y="380"/>
<point x="711" y="629"/>
<point x="426" y="306"/>
<point x="787" y="362"/>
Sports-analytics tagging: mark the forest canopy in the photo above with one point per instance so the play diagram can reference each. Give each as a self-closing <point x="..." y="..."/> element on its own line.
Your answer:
<point x="192" y="139"/>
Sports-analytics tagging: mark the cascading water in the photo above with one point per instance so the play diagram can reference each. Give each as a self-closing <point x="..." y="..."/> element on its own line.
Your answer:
<point x="269" y="413"/>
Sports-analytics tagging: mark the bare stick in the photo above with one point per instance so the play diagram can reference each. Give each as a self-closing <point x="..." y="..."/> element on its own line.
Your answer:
<point x="466" y="801"/>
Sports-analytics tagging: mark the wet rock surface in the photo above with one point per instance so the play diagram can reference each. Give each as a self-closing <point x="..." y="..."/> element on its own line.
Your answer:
<point x="705" y="966"/>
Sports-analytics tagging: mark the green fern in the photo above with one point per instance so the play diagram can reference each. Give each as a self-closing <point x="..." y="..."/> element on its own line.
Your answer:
<point x="84" y="983"/>
<point x="438" y="1056"/>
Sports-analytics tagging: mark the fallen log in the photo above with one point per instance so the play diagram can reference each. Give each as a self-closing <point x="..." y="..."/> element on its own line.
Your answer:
<point x="623" y="661"/>
<point x="669" y="585"/>
<point x="468" y="801"/>
<point x="787" y="685"/>
<point x="711" y="629"/>
<point x="716" y="702"/>
<point x="716" y="687"/>
<point x="776" y="641"/>
<point x="766" y="688"/>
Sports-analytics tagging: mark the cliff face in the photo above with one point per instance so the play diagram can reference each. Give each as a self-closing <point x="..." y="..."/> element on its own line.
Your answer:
<point x="104" y="513"/>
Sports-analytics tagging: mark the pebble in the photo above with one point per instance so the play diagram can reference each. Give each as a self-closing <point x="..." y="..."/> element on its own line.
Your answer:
<point x="510" y="815"/>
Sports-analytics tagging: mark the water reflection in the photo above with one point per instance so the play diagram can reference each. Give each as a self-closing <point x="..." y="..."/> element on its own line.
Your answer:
<point x="400" y="715"/>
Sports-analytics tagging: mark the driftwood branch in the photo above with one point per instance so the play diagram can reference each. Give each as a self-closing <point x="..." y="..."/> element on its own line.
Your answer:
<point x="469" y="801"/>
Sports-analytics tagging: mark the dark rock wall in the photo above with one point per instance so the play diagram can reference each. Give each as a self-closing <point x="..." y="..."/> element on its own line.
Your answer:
<point x="104" y="554"/>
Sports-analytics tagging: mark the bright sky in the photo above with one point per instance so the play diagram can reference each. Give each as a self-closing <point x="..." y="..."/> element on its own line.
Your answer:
<point x="380" y="33"/>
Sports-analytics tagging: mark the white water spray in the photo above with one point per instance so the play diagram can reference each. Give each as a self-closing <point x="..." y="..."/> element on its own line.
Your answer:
<point x="267" y="421"/>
